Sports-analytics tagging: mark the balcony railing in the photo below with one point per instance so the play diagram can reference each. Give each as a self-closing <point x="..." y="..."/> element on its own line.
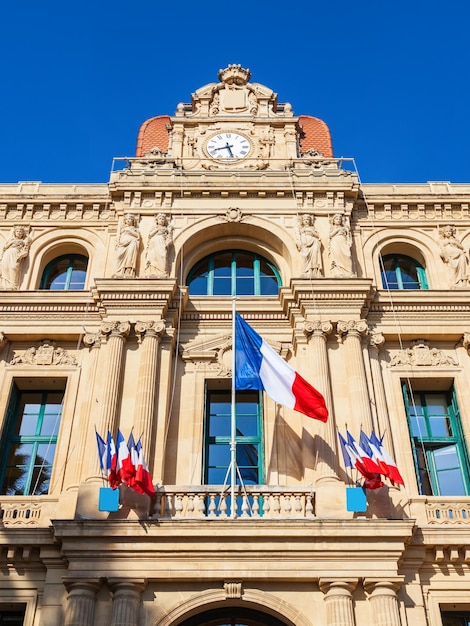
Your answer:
<point x="214" y="502"/>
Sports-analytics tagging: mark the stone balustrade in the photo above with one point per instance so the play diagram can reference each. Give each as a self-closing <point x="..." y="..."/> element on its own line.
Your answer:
<point x="214" y="502"/>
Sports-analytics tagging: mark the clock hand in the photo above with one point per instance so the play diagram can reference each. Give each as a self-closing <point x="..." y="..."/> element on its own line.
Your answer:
<point x="229" y="149"/>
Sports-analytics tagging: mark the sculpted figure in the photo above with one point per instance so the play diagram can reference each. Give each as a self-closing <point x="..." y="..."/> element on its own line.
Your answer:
<point x="308" y="244"/>
<point x="339" y="247"/>
<point x="159" y="240"/>
<point x="14" y="251"/>
<point x="455" y="256"/>
<point x="127" y="247"/>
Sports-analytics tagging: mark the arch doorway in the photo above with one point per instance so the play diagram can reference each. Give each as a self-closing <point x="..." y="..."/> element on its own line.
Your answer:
<point x="232" y="616"/>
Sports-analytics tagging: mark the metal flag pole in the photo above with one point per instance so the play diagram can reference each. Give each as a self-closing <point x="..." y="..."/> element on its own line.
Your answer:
<point x="233" y="433"/>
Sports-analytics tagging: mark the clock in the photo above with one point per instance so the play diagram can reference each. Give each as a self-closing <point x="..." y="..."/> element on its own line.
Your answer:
<point x="228" y="146"/>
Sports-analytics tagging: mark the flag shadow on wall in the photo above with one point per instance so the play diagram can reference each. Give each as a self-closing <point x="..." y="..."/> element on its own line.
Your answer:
<point x="291" y="454"/>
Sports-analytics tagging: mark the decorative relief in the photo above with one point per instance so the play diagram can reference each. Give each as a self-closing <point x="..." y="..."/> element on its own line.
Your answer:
<point x="46" y="354"/>
<point x="419" y="353"/>
<point x="233" y="590"/>
<point x="233" y="214"/>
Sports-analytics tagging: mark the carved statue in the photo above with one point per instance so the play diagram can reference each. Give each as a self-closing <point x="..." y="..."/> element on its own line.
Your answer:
<point x="455" y="256"/>
<point x="14" y="251"/>
<point x="308" y="243"/>
<point x="127" y="247"/>
<point x="339" y="247"/>
<point x="159" y="240"/>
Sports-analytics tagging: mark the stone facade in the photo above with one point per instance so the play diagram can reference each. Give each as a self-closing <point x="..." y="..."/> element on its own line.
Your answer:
<point x="130" y="347"/>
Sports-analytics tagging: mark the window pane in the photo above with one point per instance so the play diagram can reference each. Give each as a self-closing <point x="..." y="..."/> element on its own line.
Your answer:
<point x="77" y="280"/>
<point x="409" y="274"/>
<point x="58" y="276"/>
<point x="243" y="273"/>
<point x="418" y="426"/>
<point x="439" y="422"/>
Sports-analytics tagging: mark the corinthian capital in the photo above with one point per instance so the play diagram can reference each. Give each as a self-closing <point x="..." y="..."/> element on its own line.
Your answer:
<point x="150" y="328"/>
<point x="116" y="329"/>
<point x="317" y="327"/>
<point x="353" y="327"/>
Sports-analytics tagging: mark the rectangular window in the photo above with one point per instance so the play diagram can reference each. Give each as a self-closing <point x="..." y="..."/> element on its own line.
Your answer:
<point x="30" y="436"/>
<point x="439" y="449"/>
<point x="249" y="451"/>
<point x="11" y="617"/>
<point x="454" y="618"/>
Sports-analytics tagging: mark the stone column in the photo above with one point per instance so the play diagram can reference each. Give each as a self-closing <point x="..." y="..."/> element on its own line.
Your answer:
<point x="351" y="333"/>
<point x="164" y="398"/>
<point x="149" y="334"/>
<point x="87" y="441"/>
<point x="383" y="600"/>
<point x="127" y="601"/>
<point x="339" y="601"/>
<point x="80" y="607"/>
<point x="377" y="340"/>
<point x="318" y="332"/>
<point x="116" y="333"/>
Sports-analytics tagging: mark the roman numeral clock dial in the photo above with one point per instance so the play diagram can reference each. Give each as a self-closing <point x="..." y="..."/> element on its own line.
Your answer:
<point x="228" y="146"/>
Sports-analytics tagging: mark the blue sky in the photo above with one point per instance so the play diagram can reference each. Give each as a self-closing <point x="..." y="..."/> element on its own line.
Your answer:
<point x="391" y="79"/>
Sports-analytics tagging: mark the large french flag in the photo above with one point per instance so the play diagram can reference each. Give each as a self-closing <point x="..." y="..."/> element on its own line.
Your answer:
<point x="258" y="366"/>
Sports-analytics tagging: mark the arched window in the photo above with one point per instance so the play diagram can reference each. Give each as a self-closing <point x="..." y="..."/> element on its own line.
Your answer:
<point x="66" y="273"/>
<point x="402" y="272"/>
<point x="233" y="273"/>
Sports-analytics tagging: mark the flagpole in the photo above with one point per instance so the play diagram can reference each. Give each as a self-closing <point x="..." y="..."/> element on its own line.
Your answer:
<point x="233" y="429"/>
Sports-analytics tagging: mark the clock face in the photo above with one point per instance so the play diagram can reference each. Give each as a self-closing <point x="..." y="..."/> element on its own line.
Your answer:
<point x="228" y="146"/>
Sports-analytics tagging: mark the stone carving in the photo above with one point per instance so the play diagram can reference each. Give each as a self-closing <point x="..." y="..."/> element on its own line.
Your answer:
<point x="159" y="240"/>
<point x="455" y="256"/>
<point x="15" y="250"/>
<point x="233" y="94"/>
<point x="127" y="248"/>
<point x="233" y="214"/>
<point x="308" y="244"/>
<point x="339" y="247"/>
<point x="46" y="354"/>
<point x="419" y="353"/>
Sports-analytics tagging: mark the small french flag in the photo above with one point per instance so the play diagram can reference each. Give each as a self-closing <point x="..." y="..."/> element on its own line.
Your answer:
<point x="258" y="366"/>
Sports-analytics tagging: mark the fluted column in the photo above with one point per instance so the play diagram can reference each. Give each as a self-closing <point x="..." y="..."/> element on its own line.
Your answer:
<point x="80" y="607"/>
<point x="318" y="332"/>
<point x="116" y="333"/>
<point x="89" y="462"/>
<point x="384" y="602"/>
<point x="163" y="403"/>
<point x="127" y="600"/>
<point x="351" y="333"/>
<point x="339" y="601"/>
<point x="377" y="340"/>
<point x="149" y="334"/>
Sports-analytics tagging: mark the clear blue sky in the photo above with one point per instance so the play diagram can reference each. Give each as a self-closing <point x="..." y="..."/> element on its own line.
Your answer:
<point x="391" y="79"/>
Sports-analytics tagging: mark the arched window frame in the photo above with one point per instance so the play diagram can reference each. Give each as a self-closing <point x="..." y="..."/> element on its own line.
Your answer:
<point x="69" y="272"/>
<point x="211" y="259"/>
<point x="421" y="283"/>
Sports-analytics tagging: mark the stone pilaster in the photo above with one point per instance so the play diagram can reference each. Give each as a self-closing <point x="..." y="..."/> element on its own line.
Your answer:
<point x="127" y="601"/>
<point x="150" y="334"/>
<point x="80" y="607"/>
<point x="116" y="332"/>
<point x="351" y="333"/>
<point x="339" y="601"/>
<point x="383" y="600"/>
